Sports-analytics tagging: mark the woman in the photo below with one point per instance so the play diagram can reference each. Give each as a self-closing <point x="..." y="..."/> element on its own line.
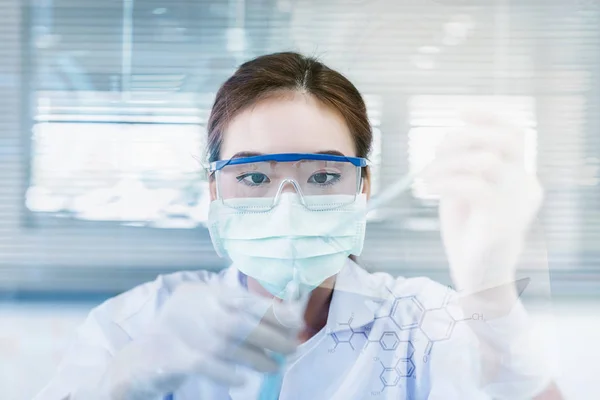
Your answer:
<point x="287" y="141"/>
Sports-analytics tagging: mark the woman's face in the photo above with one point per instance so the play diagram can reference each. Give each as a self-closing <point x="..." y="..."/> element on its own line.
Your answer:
<point x="297" y="123"/>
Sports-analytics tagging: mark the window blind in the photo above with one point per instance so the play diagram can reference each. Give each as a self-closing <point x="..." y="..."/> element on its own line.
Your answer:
<point x="125" y="82"/>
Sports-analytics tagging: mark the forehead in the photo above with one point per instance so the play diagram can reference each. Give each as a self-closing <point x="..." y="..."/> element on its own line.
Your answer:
<point x="297" y="123"/>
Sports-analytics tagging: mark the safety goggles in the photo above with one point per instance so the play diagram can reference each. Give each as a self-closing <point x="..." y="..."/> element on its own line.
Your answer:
<point x="322" y="181"/>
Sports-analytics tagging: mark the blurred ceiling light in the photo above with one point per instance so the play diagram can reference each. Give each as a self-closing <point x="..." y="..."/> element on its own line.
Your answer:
<point x="589" y="174"/>
<point x="429" y="50"/>
<point x="169" y="31"/>
<point x="80" y="53"/>
<point x="236" y="39"/>
<point x="426" y="57"/>
<point x="47" y="41"/>
<point x="284" y="6"/>
<point x="159" y="11"/>
<point x="457" y="30"/>
<point x="39" y="199"/>
<point x="457" y="2"/>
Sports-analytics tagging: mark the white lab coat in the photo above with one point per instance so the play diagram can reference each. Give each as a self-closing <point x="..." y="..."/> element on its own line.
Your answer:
<point x="385" y="338"/>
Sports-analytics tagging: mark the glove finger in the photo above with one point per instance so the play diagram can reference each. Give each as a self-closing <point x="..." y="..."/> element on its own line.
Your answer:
<point x="504" y="145"/>
<point x="471" y="189"/>
<point x="255" y="309"/>
<point x="253" y="357"/>
<point x="218" y="370"/>
<point x="290" y="315"/>
<point x="241" y="328"/>
<point x="148" y="367"/>
<point x="498" y="119"/>
<point x="265" y="336"/>
<point x="482" y="163"/>
<point x="183" y="362"/>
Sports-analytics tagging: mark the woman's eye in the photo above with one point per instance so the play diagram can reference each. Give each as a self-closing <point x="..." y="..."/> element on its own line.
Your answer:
<point x="253" y="179"/>
<point x="324" y="178"/>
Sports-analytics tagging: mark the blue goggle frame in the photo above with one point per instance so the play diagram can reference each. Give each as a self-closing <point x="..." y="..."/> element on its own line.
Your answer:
<point x="287" y="157"/>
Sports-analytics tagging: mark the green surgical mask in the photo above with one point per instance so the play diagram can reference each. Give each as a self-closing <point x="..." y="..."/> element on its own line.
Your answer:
<point x="289" y="242"/>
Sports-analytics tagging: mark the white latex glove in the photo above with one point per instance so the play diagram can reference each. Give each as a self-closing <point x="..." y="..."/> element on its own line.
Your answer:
<point x="201" y="331"/>
<point x="487" y="199"/>
<point x="488" y="202"/>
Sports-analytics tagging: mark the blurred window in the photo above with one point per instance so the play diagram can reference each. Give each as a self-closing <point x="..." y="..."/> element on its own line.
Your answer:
<point x="119" y="92"/>
<point x="143" y="174"/>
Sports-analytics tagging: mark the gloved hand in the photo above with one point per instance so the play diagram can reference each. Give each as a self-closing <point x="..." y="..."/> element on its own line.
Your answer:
<point x="203" y="330"/>
<point x="488" y="199"/>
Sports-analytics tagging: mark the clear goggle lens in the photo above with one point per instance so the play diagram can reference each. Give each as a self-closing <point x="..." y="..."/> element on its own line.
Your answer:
<point x="315" y="181"/>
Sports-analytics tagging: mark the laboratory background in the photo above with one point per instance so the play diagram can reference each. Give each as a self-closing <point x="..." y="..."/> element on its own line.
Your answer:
<point x="103" y="111"/>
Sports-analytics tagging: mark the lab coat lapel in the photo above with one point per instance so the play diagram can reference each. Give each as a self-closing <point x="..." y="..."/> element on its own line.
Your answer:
<point x="355" y="298"/>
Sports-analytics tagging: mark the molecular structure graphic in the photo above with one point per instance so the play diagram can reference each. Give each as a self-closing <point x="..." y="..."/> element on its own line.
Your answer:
<point x="435" y="323"/>
<point x="351" y="335"/>
<point x="390" y="376"/>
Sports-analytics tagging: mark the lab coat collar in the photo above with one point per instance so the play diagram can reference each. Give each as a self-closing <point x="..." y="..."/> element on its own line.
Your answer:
<point x="356" y="297"/>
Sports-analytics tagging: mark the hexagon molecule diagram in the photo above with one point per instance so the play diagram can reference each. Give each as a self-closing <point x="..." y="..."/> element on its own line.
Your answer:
<point x="437" y="324"/>
<point x="407" y="312"/>
<point x="391" y="376"/>
<point x="352" y="336"/>
<point x="389" y="341"/>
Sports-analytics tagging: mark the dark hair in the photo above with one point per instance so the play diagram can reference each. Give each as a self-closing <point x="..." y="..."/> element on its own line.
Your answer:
<point x="278" y="74"/>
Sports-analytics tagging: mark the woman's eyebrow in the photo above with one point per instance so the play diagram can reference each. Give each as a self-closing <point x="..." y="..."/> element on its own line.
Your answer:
<point x="243" y="154"/>
<point x="331" y="153"/>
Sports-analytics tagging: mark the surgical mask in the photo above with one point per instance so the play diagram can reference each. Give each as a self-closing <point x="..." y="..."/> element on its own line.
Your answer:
<point x="289" y="242"/>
